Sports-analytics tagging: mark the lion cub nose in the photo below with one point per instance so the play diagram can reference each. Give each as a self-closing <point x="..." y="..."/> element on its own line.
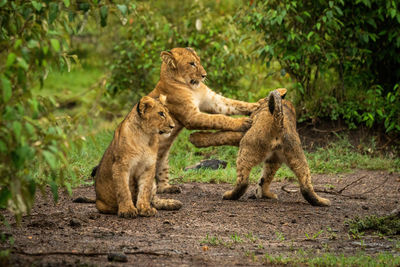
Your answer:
<point x="204" y="75"/>
<point x="172" y="126"/>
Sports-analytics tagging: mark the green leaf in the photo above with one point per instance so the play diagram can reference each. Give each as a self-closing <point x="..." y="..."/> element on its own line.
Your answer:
<point x="318" y="25"/>
<point x="66" y="3"/>
<point x="17" y="43"/>
<point x="6" y="88"/>
<point x="5" y="195"/>
<point x="36" y="5"/>
<point x="53" y="12"/>
<point x="50" y="158"/>
<point x="55" y="44"/>
<point x="3" y="147"/>
<point x="3" y="2"/>
<point x="123" y="9"/>
<point x="54" y="190"/>
<point x="103" y="16"/>
<point x="22" y="63"/>
<point x="392" y="12"/>
<point x="17" y="128"/>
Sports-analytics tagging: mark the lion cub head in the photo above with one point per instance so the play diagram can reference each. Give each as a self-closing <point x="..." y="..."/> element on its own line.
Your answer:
<point x="155" y="115"/>
<point x="185" y="66"/>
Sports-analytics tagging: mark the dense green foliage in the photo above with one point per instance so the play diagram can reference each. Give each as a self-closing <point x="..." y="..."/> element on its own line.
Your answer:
<point x="344" y="55"/>
<point x="34" y="37"/>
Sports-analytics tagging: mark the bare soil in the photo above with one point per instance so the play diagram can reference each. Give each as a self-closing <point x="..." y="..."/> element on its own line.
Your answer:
<point x="71" y="234"/>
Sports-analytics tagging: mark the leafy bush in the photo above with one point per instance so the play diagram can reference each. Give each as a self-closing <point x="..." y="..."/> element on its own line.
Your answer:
<point x="34" y="36"/>
<point x="340" y="53"/>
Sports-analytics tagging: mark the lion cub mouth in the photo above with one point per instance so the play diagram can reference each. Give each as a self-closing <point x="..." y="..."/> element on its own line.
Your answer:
<point x="194" y="82"/>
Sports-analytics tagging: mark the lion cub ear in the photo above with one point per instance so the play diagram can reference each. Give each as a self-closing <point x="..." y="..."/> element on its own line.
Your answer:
<point x="145" y="104"/>
<point x="163" y="99"/>
<point x="168" y="58"/>
<point x="282" y="92"/>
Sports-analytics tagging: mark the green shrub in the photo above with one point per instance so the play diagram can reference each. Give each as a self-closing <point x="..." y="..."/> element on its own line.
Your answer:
<point x="344" y="55"/>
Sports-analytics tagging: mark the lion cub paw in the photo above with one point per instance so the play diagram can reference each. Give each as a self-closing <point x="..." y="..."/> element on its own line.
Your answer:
<point x="260" y="194"/>
<point x="169" y="189"/>
<point x="323" y="202"/>
<point x="149" y="212"/>
<point x="229" y="195"/>
<point x="128" y="212"/>
<point x="245" y="124"/>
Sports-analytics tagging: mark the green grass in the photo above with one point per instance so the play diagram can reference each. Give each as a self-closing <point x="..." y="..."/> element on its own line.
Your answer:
<point x="66" y="84"/>
<point x="330" y="259"/>
<point x="386" y="225"/>
<point x="338" y="157"/>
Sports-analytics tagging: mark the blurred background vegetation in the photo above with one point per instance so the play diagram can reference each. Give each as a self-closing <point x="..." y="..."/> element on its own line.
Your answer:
<point x="71" y="69"/>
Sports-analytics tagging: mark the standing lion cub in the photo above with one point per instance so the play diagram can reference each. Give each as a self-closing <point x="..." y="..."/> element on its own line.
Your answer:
<point x="273" y="140"/>
<point x="124" y="179"/>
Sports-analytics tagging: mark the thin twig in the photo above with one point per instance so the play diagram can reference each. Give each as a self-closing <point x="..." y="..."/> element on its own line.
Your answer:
<point x="283" y="188"/>
<point x="328" y="131"/>
<point x="88" y="254"/>
<point x="355" y="181"/>
<point x="379" y="185"/>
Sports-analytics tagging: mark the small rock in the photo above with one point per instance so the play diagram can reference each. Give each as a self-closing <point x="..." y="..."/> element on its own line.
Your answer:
<point x="213" y="164"/>
<point x="119" y="257"/>
<point x="74" y="223"/>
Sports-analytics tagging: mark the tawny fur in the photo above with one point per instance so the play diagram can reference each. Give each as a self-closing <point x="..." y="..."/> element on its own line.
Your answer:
<point x="192" y="105"/>
<point x="273" y="140"/>
<point x="124" y="179"/>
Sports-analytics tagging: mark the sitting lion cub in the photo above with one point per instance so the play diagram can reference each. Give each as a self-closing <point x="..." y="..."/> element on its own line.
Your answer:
<point x="272" y="139"/>
<point x="125" y="175"/>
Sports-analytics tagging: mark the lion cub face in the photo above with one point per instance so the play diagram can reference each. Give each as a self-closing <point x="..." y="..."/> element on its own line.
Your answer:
<point x="186" y="63"/>
<point x="155" y="115"/>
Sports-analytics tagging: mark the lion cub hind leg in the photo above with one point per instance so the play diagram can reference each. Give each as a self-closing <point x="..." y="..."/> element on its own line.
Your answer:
<point x="245" y="162"/>
<point x="297" y="162"/>
<point x="271" y="166"/>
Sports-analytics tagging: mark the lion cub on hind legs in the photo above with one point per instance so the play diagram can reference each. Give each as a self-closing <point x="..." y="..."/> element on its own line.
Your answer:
<point x="273" y="140"/>
<point x="124" y="179"/>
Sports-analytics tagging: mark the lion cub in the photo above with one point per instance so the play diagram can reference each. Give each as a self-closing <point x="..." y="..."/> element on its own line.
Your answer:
<point x="124" y="179"/>
<point x="272" y="139"/>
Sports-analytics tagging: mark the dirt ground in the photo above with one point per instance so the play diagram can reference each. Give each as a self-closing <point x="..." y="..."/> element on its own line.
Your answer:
<point x="207" y="230"/>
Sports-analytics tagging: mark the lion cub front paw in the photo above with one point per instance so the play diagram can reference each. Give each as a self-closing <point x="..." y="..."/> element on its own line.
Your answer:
<point x="245" y="124"/>
<point x="147" y="212"/>
<point x="127" y="212"/>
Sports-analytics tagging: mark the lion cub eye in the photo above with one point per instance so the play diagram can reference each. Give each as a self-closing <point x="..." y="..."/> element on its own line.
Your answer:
<point x="193" y="64"/>
<point x="161" y="114"/>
